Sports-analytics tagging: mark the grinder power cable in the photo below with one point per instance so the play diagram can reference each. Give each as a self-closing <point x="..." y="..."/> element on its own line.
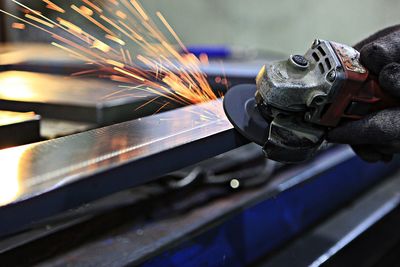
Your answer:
<point x="295" y="102"/>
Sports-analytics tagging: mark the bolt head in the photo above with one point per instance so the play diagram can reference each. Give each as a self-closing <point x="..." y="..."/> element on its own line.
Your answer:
<point x="299" y="61"/>
<point x="331" y="76"/>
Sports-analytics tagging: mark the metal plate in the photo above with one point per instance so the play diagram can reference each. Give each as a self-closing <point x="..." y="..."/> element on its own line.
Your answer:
<point x="18" y="128"/>
<point x="67" y="98"/>
<point x="42" y="179"/>
<point x="39" y="57"/>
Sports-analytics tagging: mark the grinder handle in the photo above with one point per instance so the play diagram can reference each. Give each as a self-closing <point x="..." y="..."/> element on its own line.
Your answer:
<point x="368" y="98"/>
<point x="359" y="96"/>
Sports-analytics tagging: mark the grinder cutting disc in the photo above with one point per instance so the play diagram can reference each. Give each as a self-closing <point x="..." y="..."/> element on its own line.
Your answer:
<point x="241" y="110"/>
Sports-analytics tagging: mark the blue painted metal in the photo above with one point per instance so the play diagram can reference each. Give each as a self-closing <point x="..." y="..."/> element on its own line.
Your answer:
<point x="256" y="231"/>
<point x="212" y="51"/>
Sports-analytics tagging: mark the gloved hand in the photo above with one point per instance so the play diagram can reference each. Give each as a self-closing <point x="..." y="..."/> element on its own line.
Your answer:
<point x="377" y="136"/>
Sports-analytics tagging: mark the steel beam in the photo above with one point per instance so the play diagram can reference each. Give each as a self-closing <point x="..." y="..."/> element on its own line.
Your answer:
<point x="42" y="179"/>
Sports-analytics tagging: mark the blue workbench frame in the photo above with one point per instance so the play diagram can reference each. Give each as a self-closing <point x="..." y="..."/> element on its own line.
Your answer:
<point x="245" y="237"/>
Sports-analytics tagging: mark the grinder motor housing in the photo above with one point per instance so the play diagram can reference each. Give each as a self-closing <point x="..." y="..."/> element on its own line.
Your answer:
<point x="305" y="96"/>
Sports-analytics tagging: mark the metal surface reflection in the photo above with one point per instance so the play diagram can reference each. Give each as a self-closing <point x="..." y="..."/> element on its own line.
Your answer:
<point x="59" y="174"/>
<point x="23" y="54"/>
<point x="17" y="87"/>
<point x="67" y="98"/>
<point x="9" y="117"/>
<point x="10" y="186"/>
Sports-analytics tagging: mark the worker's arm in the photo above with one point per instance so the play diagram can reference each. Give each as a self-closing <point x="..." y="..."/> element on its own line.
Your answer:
<point x="377" y="136"/>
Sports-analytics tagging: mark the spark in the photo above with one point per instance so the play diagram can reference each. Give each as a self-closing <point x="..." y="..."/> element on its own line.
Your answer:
<point x="148" y="102"/>
<point x="204" y="59"/>
<point x="126" y="46"/>
<point x="72" y="27"/>
<point x="45" y="23"/>
<point x="171" y="30"/>
<point x="101" y="46"/>
<point x="121" y="14"/>
<point x="95" y="22"/>
<point x="18" y="26"/>
<point x="52" y="6"/>
<point x="115" y="39"/>
<point x="140" y="9"/>
<point x="161" y="108"/>
<point x="93" y="6"/>
<point x="87" y="11"/>
<point x="129" y="74"/>
<point x="115" y="63"/>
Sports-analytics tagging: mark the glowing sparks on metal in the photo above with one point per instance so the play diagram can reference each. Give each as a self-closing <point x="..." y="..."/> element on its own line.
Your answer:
<point x="128" y="45"/>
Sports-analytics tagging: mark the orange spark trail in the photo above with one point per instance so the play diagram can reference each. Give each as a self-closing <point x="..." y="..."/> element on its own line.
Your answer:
<point x="51" y="5"/>
<point x="18" y="26"/>
<point x="128" y="45"/>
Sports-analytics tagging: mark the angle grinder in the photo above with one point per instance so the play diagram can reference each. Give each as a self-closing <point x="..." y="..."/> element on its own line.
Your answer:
<point x="295" y="102"/>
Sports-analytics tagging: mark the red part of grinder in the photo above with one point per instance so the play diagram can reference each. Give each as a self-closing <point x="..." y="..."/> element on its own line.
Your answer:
<point x="360" y="93"/>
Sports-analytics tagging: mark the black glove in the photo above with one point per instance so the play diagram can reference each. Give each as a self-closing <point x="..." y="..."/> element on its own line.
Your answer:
<point x="377" y="136"/>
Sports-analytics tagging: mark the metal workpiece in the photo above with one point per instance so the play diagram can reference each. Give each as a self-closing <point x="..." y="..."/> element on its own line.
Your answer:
<point x="17" y="128"/>
<point x="39" y="57"/>
<point x="68" y="98"/>
<point x="268" y="215"/>
<point x="45" y="178"/>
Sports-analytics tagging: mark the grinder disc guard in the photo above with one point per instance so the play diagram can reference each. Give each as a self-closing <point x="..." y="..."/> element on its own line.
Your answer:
<point x="241" y="110"/>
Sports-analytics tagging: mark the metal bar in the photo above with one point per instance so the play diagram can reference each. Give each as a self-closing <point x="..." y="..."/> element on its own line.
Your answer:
<point x="85" y="100"/>
<point x="18" y="128"/>
<point x="42" y="179"/>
